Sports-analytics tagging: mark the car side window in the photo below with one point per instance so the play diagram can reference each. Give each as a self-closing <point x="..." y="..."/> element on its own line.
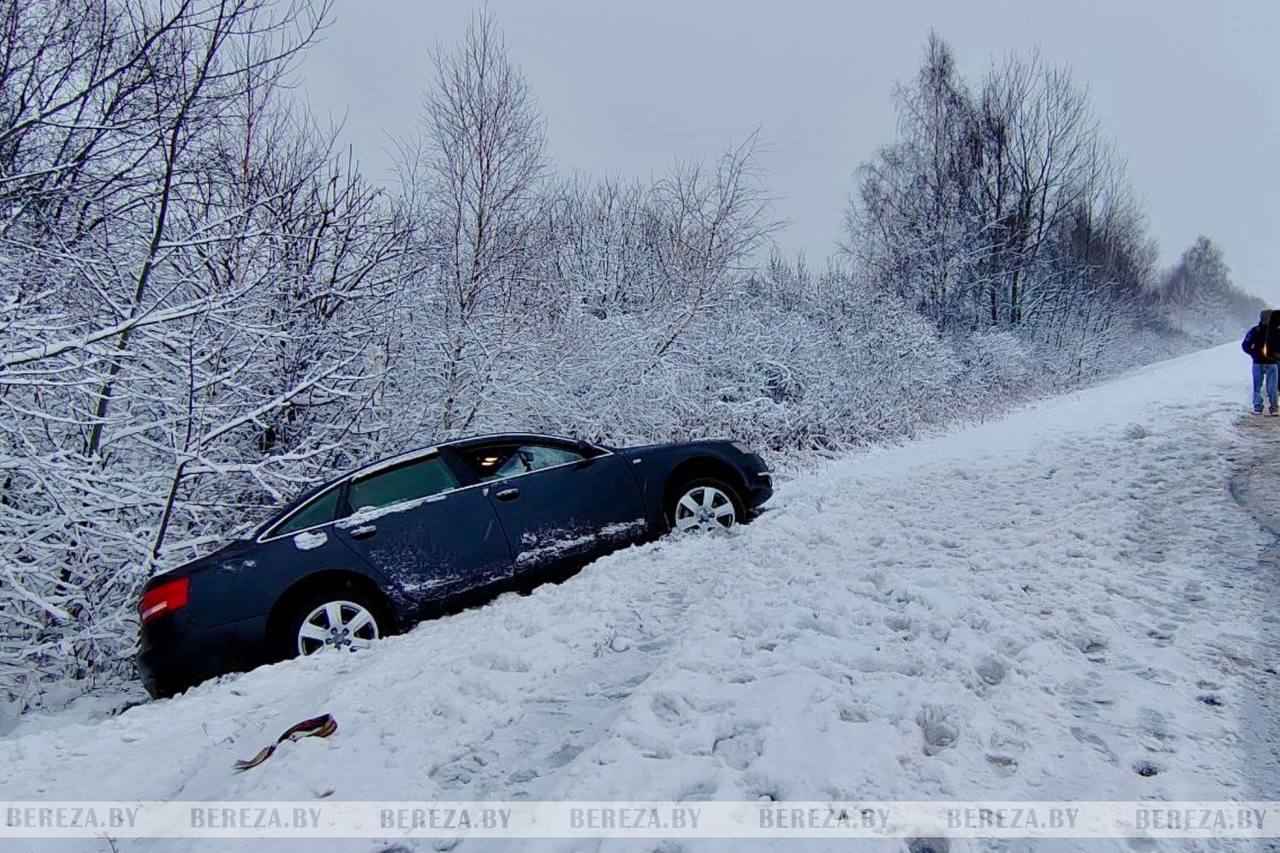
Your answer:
<point x="496" y="462"/>
<point x="406" y="483"/>
<point x="322" y="509"/>
<point x="538" y="456"/>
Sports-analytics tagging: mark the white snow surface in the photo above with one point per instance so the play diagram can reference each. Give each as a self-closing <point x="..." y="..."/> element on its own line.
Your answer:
<point x="1026" y="609"/>
<point x="309" y="540"/>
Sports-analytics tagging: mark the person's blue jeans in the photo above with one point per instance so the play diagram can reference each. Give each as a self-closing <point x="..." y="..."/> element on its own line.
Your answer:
<point x="1265" y="373"/>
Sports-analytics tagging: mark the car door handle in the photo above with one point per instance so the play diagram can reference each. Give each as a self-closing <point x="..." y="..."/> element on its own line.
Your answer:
<point x="507" y="494"/>
<point x="364" y="531"/>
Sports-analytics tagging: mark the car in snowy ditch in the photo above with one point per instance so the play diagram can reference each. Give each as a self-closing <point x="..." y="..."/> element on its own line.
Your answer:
<point x="420" y="534"/>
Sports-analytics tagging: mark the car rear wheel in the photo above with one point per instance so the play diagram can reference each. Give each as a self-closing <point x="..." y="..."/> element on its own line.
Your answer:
<point x="345" y="620"/>
<point x="705" y="505"/>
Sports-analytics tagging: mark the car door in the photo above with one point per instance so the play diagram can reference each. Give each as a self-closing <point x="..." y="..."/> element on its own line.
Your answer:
<point x="557" y="503"/>
<point x="430" y="538"/>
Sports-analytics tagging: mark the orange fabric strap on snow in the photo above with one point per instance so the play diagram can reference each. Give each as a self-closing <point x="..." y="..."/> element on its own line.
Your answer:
<point x="321" y="726"/>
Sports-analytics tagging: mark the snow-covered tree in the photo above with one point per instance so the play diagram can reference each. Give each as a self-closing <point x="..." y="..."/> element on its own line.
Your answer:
<point x="473" y="182"/>
<point x="1202" y="299"/>
<point x="189" y="313"/>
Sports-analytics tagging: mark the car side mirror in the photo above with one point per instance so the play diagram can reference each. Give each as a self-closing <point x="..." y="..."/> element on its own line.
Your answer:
<point x="587" y="449"/>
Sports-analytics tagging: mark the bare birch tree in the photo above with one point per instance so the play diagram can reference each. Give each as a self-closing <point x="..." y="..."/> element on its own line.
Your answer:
<point x="475" y="179"/>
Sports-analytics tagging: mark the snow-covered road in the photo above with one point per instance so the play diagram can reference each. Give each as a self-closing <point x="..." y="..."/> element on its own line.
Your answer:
<point x="1075" y="602"/>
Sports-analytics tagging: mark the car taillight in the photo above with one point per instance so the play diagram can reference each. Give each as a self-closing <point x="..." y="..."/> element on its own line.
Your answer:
<point x="163" y="599"/>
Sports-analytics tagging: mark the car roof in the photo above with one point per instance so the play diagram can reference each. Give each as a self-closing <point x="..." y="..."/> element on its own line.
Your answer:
<point x="506" y="436"/>
<point x="460" y="443"/>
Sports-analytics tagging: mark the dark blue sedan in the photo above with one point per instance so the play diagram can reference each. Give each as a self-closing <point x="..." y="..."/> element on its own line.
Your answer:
<point x="420" y="534"/>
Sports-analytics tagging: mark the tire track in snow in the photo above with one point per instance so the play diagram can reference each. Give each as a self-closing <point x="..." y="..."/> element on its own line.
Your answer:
<point x="1255" y="485"/>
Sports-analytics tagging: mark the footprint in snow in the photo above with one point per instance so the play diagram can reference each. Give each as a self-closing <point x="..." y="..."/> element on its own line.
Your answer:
<point x="462" y="770"/>
<point x="1004" y="765"/>
<point x="937" y="728"/>
<point x="1145" y="768"/>
<point x="903" y="624"/>
<point x="739" y="749"/>
<point x="1155" y="723"/>
<point x="1156" y="676"/>
<point x="500" y="662"/>
<point x="670" y="845"/>
<point x="697" y="792"/>
<point x="562" y="756"/>
<point x="667" y="708"/>
<point x="1096" y="742"/>
<point x="1009" y="738"/>
<point x="1092" y="647"/>
<point x="1135" y="432"/>
<point x="990" y="670"/>
<point x="858" y="713"/>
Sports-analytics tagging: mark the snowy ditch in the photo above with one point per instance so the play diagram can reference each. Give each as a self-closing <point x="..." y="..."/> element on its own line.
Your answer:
<point x="1066" y="604"/>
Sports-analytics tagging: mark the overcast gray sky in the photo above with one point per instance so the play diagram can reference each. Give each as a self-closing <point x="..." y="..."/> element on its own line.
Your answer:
<point x="1186" y="89"/>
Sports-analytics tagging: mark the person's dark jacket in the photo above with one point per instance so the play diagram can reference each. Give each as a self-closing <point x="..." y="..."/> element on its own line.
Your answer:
<point x="1262" y="342"/>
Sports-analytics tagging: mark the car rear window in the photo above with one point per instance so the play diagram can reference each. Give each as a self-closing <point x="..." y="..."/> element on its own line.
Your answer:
<point x="320" y="510"/>
<point x="405" y="483"/>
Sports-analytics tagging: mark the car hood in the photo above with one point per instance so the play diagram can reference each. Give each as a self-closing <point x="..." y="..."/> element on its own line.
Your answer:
<point x="664" y="445"/>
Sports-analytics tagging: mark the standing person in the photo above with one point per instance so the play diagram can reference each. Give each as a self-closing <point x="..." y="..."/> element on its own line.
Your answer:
<point x="1262" y="343"/>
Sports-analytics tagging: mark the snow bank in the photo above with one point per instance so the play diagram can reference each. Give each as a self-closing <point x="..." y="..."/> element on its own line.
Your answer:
<point x="1037" y="608"/>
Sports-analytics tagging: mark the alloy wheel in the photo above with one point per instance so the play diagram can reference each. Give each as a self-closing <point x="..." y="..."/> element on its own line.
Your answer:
<point x="343" y="626"/>
<point x="704" y="508"/>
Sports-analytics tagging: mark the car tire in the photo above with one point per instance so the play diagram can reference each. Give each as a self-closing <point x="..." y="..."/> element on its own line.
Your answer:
<point x="703" y="505"/>
<point x="362" y="616"/>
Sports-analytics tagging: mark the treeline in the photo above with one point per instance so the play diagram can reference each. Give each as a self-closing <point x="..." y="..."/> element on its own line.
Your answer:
<point x="205" y="307"/>
<point x="1002" y="208"/>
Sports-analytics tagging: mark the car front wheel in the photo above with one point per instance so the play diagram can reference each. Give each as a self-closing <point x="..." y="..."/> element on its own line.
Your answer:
<point x="705" y="505"/>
